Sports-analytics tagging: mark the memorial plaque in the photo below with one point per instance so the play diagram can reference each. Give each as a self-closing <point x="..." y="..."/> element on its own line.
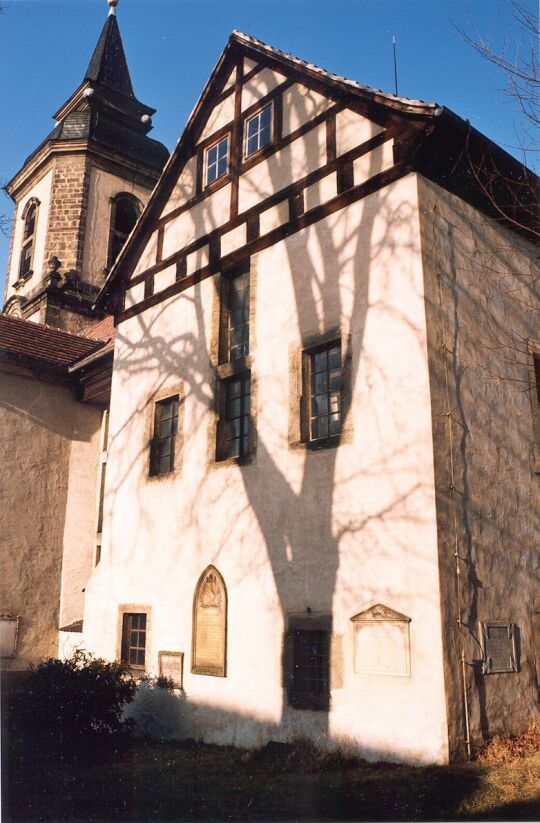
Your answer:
<point x="499" y="650"/>
<point x="381" y="642"/>
<point x="210" y="619"/>
<point x="9" y="627"/>
<point x="171" y="664"/>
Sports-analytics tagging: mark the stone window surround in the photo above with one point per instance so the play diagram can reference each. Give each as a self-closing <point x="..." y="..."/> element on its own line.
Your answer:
<point x="298" y="437"/>
<point x="30" y="203"/>
<point x="167" y="390"/>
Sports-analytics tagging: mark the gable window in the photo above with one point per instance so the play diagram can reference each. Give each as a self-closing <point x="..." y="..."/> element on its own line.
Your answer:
<point x="134" y="639"/>
<point x="217" y="161"/>
<point x="124" y="214"/>
<point x="258" y="131"/>
<point x="27" y="249"/>
<point x="162" y="449"/>
<point x="323" y="383"/>
<point x="234" y="385"/>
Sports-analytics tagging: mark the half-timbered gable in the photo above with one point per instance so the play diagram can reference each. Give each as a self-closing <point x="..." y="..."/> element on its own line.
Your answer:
<point x="273" y="145"/>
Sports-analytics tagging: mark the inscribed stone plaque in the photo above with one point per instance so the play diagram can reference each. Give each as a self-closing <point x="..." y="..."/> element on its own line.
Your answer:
<point x="171" y="664"/>
<point x="210" y="617"/>
<point x="381" y="642"/>
<point x="9" y="626"/>
<point x="498" y="647"/>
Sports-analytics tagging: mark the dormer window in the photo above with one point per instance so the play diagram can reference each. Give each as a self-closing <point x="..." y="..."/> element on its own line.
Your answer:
<point x="217" y="161"/>
<point x="258" y="131"/>
<point x="29" y="215"/>
<point x="124" y="214"/>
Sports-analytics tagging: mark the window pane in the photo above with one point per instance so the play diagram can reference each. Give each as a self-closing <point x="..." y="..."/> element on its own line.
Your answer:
<point x="334" y="356"/>
<point x="320" y="361"/>
<point x="252" y="145"/>
<point x="320" y="405"/>
<point x="212" y="155"/>
<point x="320" y="382"/>
<point x="253" y="126"/>
<point x="265" y="117"/>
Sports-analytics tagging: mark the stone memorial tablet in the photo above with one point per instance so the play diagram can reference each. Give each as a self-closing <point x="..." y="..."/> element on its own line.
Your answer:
<point x="210" y="624"/>
<point x="171" y="664"/>
<point x="381" y="642"/>
<point x="498" y="645"/>
<point x="9" y="627"/>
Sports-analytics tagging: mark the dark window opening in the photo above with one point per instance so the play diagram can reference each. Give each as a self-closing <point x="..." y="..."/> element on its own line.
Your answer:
<point x="124" y="215"/>
<point x="99" y="527"/>
<point x="536" y="360"/>
<point x="98" y="554"/>
<point x="163" y="445"/>
<point x="134" y="639"/>
<point x="323" y="381"/>
<point x="27" y="249"/>
<point x="310" y="688"/>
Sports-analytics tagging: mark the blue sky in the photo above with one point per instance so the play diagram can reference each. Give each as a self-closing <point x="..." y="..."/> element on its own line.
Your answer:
<point x="172" y="45"/>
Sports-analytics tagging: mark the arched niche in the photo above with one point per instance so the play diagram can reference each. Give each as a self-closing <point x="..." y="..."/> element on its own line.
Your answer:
<point x="209" y="648"/>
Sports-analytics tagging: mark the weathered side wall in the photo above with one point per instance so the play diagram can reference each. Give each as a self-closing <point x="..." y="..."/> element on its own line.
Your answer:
<point x="483" y="308"/>
<point x="39" y="424"/>
<point x="334" y="531"/>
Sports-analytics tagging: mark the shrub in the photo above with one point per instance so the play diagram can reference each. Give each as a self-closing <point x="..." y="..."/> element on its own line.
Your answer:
<point x="157" y="712"/>
<point x="82" y="696"/>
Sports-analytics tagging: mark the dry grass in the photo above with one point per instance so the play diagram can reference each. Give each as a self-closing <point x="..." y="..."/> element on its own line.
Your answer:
<point x="511" y="748"/>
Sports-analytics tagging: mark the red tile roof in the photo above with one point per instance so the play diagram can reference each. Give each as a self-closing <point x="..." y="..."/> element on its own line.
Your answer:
<point x="104" y="330"/>
<point x="40" y="343"/>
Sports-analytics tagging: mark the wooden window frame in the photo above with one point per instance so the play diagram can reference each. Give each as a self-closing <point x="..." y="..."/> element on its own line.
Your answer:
<point x="126" y="647"/>
<point x="154" y="470"/>
<point x="238" y="369"/>
<point x="306" y="417"/>
<point x="245" y="418"/>
<point x="208" y="184"/>
<point x="268" y="105"/>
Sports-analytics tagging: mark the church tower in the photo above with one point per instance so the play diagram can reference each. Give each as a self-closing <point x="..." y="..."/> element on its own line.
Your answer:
<point x="79" y="194"/>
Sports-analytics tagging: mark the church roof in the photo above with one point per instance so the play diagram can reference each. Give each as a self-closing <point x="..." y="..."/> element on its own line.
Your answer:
<point x="108" y="65"/>
<point x="28" y="341"/>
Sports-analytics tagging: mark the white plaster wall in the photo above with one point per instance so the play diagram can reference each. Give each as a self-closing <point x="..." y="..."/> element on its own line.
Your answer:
<point x="184" y="188"/>
<point x="220" y="115"/>
<point x="336" y="530"/>
<point x="292" y="163"/>
<point x="300" y="105"/>
<point x="41" y="190"/>
<point x="352" y="130"/>
<point x="103" y="186"/>
<point x="148" y="257"/>
<point x="212" y="212"/>
<point x="260" y="85"/>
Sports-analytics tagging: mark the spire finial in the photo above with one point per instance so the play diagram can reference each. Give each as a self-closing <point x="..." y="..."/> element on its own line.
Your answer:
<point x="112" y="6"/>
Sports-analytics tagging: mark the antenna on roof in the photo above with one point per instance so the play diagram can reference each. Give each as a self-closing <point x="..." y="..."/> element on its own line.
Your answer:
<point x="395" y="64"/>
